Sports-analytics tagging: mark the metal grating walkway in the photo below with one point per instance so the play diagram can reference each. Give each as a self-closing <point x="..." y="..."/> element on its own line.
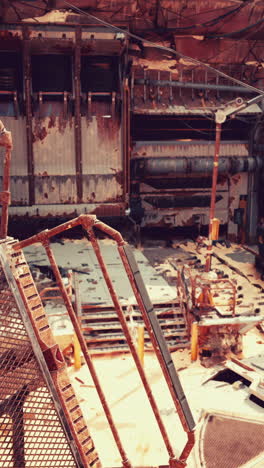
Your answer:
<point x="229" y="442"/>
<point x="34" y="397"/>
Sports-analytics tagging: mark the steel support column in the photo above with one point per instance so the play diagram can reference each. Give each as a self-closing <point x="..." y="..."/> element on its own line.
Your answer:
<point x="126" y="141"/>
<point x="28" y="111"/>
<point x="77" y="113"/>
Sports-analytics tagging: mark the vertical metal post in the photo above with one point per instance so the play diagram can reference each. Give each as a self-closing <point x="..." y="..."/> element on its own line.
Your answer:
<point x="77" y="113"/>
<point x="140" y="343"/>
<point x="213" y="196"/>
<point x="28" y="110"/>
<point x="126" y="141"/>
<point x="194" y="341"/>
<point x="77" y="296"/>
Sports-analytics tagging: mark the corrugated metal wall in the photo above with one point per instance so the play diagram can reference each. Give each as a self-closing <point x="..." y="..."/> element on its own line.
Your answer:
<point x="54" y="156"/>
<point x="19" y="171"/>
<point x="102" y="157"/>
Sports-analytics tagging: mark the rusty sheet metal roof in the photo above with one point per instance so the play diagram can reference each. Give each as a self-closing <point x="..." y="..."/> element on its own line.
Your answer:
<point x="187" y="149"/>
<point x="203" y="17"/>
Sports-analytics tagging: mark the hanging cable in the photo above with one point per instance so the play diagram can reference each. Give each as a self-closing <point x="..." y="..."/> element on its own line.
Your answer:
<point x="239" y="31"/>
<point x="208" y="23"/>
<point x="166" y="49"/>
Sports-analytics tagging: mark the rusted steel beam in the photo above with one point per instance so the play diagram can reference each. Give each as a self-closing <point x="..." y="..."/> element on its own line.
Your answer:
<point x="77" y="113"/>
<point x="28" y="110"/>
<point x="213" y="196"/>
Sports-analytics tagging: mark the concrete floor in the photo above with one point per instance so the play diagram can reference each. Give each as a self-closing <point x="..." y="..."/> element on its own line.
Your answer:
<point x="132" y="413"/>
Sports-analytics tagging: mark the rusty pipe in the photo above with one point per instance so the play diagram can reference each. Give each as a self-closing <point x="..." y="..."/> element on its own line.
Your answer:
<point x="191" y="85"/>
<point x="111" y="232"/>
<point x="47" y="234"/>
<point x="144" y="167"/>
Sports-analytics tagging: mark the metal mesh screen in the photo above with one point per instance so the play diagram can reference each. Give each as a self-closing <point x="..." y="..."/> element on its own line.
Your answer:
<point x="230" y="442"/>
<point x="30" y="430"/>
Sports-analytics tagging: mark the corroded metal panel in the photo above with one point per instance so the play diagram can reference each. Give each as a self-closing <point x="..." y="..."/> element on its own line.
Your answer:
<point x="101" y="154"/>
<point x="54" y="156"/>
<point x="19" y="153"/>
<point x="101" y="188"/>
<point x="19" y="190"/>
<point x="55" y="189"/>
<point x="187" y="149"/>
<point x="53" y="146"/>
<point x="68" y="210"/>
<point x="19" y="172"/>
<point x="101" y="142"/>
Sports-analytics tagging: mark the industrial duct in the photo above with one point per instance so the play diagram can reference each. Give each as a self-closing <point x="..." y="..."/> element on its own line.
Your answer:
<point x="142" y="168"/>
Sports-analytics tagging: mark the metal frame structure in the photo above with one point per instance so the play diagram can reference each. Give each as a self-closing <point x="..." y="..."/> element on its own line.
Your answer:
<point x="89" y="224"/>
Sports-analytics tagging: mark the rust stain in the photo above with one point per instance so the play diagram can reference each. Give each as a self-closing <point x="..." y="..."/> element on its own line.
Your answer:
<point x="39" y="132"/>
<point x="52" y="121"/>
<point x="230" y="200"/>
<point x="230" y="214"/>
<point x="222" y="180"/>
<point x="115" y="209"/>
<point x="9" y="34"/>
<point x="119" y="176"/>
<point x="235" y="179"/>
<point x="62" y="121"/>
<point x="43" y="174"/>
